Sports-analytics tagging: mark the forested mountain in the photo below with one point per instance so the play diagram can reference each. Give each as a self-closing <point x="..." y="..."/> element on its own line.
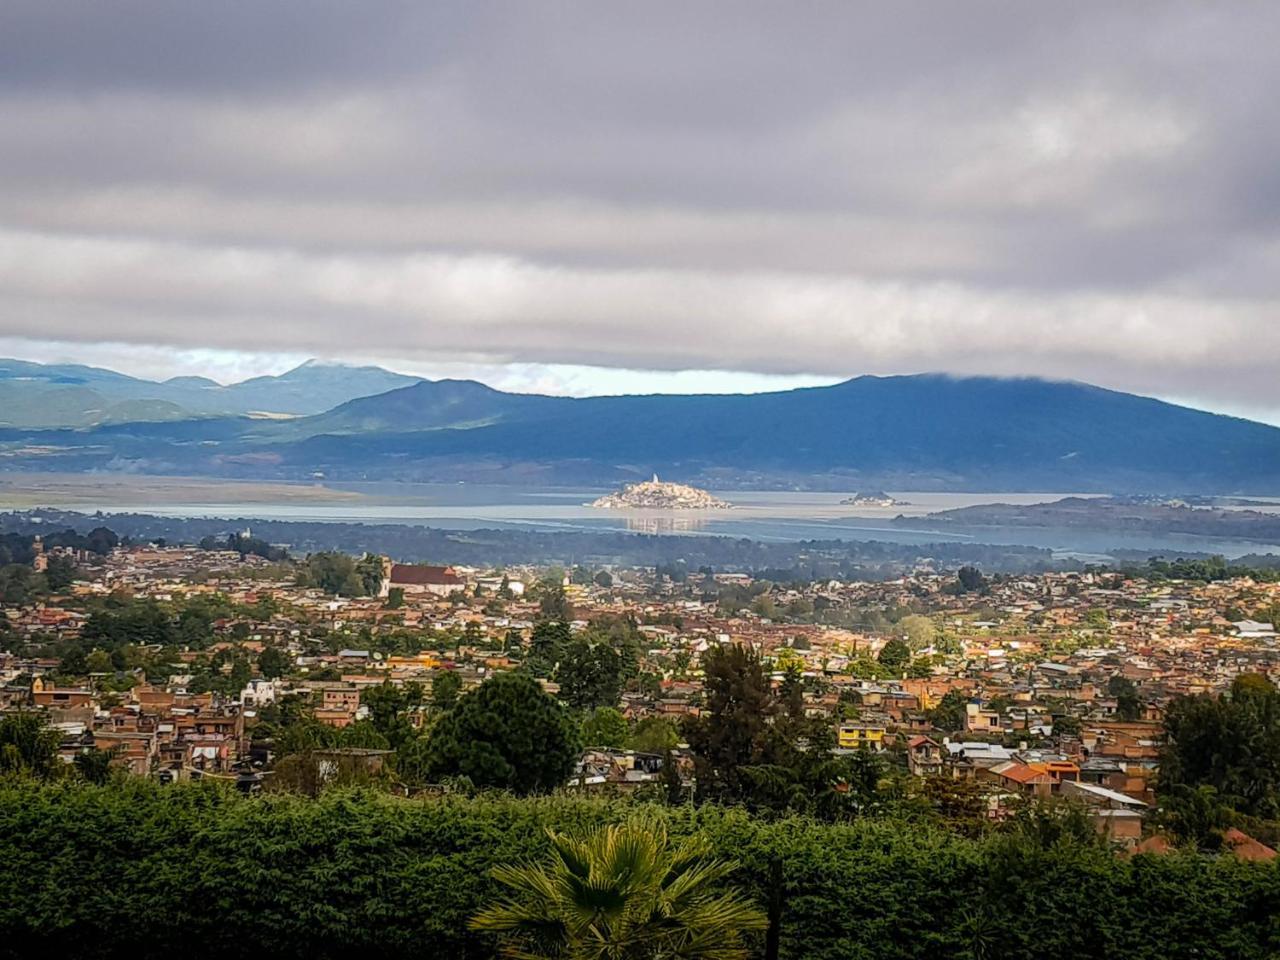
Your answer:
<point x="908" y="432"/>
<point x="914" y="432"/>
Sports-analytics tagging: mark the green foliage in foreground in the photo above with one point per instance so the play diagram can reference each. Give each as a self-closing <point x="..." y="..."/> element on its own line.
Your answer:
<point x="622" y="892"/>
<point x="507" y="733"/>
<point x="196" y="871"/>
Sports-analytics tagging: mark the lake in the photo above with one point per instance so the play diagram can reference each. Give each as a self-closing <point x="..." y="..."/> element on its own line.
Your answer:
<point x="783" y="516"/>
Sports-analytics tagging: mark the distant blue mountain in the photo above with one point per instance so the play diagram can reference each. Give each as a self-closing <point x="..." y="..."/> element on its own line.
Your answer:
<point x="73" y="395"/>
<point x="310" y="388"/>
<point x="909" y="432"/>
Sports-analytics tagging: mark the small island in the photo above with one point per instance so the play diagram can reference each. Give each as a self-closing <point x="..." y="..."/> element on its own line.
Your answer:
<point x="656" y="494"/>
<point x="874" y="498"/>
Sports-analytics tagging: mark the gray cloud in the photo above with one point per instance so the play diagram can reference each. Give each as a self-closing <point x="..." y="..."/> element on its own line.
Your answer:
<point x="1081" y="190"/>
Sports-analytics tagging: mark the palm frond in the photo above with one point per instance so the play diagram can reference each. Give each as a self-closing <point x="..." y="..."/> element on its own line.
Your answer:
<point x="623" y="891"/>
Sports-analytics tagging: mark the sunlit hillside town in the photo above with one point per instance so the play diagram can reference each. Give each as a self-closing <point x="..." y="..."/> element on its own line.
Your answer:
<point x="182" y="662"/>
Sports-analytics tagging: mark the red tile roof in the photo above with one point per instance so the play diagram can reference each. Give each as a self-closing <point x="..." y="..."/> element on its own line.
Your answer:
<point x="418" y="575"/>
<point x="1155" y="844"/>
<point x="1245" y="847"/>
<point x="1022" y="773"/>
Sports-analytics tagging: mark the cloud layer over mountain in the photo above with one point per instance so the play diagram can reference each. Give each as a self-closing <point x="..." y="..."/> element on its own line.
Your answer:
<point x="1079" y="190"/>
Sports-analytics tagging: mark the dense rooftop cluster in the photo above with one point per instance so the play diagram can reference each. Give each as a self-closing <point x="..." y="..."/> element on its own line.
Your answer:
<point x="179" y="662"/>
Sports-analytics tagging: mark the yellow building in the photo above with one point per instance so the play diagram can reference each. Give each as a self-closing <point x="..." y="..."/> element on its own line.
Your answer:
<point x="423" y="661"/>
<point x="855" y="736"/>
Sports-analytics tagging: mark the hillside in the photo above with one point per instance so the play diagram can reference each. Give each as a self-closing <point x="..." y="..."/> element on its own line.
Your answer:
<point x="73" y="405"/>
<point x="72" y="395"/>
<point x="925" y="432"/>
<point x="432" y="405"/>
<point x="918" y="432"/>
<point x="310" y="388"/>
<point x="1112" y="514"/>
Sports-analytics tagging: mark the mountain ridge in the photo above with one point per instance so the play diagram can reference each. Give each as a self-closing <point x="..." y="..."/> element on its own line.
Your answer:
<point x="921" y="432"/>
<point x="42" y="395"/>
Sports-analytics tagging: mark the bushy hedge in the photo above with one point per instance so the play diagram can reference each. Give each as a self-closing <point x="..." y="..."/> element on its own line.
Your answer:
<point x="194" y="871"/>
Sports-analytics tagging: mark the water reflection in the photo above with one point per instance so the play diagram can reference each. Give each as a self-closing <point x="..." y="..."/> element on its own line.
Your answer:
<point x="665" y="524"/>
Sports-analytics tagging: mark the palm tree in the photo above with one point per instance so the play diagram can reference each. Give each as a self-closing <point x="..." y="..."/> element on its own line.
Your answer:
<point x="624" y="892"/>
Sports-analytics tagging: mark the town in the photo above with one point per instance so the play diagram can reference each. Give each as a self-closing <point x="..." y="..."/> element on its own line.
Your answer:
<point x="978" y="694"/>
<point x="686" y="481"/>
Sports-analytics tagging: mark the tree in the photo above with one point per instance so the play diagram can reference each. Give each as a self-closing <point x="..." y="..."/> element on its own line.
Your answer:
<point x="1128" y="705"/>
<point x="920" y="668"/>
<point x="624" y="892"/>
<point x="94" y="765"/>
<point x="333" y="573"/>
<point x="370" y="569"/>
<point x="918" y="630"/>
<point x="363" y="735"/>
<point x="654" y="735"/>
<point x="60" y="573"/>
<point x="19" y="584"/>
<point x="552" y="602"/>
<point x="388" y="705"/>
<point x="1230" y="744"/>
<point x="237" y="677"/>
<point x="102" y="540"/>
<point x="962" y="804"/>
<point x="1195" y="816"/>
<point x="506" y="733"/>
<point x="1067" y="725"/>
<point x="733" y="731"/>
<point x="947" y="643"/>
<point x="513" y="643"/>
<point x="971" y="580"/>
<point x="800" y="608"/>
<point x="274" y="662"/>
<point x="549" y="638"/>
<point x="605" y="727"/>
<point x="75" y="663"/>
<point x="133" y="621"/>
<point x="304" y="737"/>
<point x="1251" y="686"/>
<point x="27" y="745"/>
<point x="894" y="655"/>
<point x="603" y="579"/>
<point x="445" y="687"/>
<point x="395" y="598"/>
<point x="672" y="782"/>
<point x="195" y="626"/>
<point x="949" y="714"/>
<point x="589" y="675"/>
<point x="791" y="690"/>
<point x="413" y="760"/>
<point x="246" y="545"/>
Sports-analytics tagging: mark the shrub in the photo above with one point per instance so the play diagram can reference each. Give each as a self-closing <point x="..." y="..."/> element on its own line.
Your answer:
<point x="197" y="870"/>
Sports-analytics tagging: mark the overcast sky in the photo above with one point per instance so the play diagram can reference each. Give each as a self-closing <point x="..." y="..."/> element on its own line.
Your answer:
<point x="605" y="196"/>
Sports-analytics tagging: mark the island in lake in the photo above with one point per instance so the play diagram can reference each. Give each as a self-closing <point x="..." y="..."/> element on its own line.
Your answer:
<point x="874" y="498"/>
<point x="656" y="494"/>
